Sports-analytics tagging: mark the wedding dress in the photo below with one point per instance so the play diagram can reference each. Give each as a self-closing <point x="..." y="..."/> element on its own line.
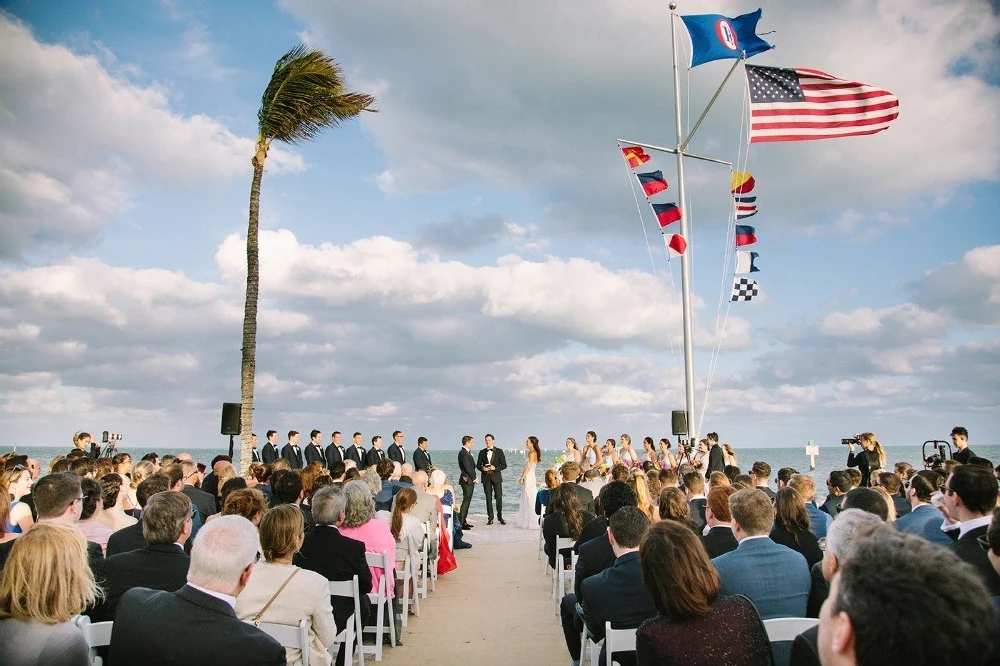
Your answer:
<point x="526" y="518"/>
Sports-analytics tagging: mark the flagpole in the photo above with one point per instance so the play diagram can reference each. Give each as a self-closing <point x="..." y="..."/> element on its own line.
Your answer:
<point x="686" y="257"/>
<point x="711" y="102"/>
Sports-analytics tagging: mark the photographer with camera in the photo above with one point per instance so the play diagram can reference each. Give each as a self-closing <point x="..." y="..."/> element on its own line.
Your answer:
<point x="870" y="458"/>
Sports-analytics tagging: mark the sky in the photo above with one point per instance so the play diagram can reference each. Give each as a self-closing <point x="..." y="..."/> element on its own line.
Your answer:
<point x="471" y="258"/>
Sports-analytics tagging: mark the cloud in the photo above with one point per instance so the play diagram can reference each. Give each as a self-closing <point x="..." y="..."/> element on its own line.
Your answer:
<point x="539" y="111"/>
<point x="76" y="137"/>
<point x="967" y="290"/>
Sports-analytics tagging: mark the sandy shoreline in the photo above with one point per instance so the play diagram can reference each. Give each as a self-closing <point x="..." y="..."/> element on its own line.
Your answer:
<point x="495" y="608"/>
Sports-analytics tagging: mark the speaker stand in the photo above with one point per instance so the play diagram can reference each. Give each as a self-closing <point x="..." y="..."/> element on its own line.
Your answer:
<point x="231" y="447"/>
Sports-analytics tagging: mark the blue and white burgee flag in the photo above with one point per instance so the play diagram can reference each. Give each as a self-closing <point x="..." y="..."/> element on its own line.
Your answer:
<point x="746" y="262"/>
<point x="716" y="37"/>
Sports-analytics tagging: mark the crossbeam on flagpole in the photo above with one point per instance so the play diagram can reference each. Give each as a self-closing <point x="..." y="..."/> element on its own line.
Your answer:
<point x="711" y="102"/>
<point x="673" y="151"/>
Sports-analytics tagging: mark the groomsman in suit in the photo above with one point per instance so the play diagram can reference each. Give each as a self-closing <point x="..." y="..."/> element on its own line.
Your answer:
<point x="291" y="451"/>
<point x="334" y="452"/>
<point x="254" y="455"/>
<point x="314" y="451"/>
<point x="270" y="452"/>
<point x="396" y="451"/>
<point x="375" y="454"/>
<point x="421" y="457"/>
<point x="716" y="461"/>
<point x="356" y="452"/>
<point x="492" y="464"/>
<point x="467" y="479"/>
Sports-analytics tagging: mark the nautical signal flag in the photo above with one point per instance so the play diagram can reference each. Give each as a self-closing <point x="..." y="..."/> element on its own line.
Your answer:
<point x="745" y="207"/>
<point x="806" y="104"/>
<point x="666" y="213"/>
<point x="745" y="262"/>
<point x="635" y="156"/>
<point x="717" y="37"/>
<point x="745" y="235"/>
<point x="675" y="245"/>
<point x="744" y="289"/>
<point x="652" y="182"/>
<point x="742" y="182"/>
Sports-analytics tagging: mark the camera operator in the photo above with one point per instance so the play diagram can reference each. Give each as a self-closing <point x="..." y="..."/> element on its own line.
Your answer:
<point x="82" y="441"/>
<point x="870" y="458"/>
<point x="960" y="438"/>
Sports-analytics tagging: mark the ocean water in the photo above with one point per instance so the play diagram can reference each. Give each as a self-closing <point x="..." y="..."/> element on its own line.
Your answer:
<point x="830" y="458"/>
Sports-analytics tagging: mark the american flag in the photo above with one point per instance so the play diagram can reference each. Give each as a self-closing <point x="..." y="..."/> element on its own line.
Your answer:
<point x="806" y="104"/>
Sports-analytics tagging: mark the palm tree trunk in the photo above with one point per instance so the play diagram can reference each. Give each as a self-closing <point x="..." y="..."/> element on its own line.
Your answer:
<point x="248" y="367"/>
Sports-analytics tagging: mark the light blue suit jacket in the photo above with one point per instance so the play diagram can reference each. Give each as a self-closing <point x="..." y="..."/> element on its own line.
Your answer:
<point x="819" y="521"/>
<point x="924" y="521"/>
<point x="774" y="577"/>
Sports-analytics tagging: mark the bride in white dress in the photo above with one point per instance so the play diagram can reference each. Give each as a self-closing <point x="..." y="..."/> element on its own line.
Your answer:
<point x="526" y="518"/>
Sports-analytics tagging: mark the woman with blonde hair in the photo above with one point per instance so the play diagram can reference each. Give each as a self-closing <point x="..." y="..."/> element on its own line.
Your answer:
<point x="279" y="592"/>
<point x="46" y="582"/>
<point x="17" y="483"/>
<point x="248" y="502"/>
<point x="637" y="482"/>
<point x="625" y="453"/>
<point x="227" y="472"/>
<point x="5" y="533"/>
<point x="572" y="451"/>
<point x="140" y="472"/>
<point x="870" y="458"/>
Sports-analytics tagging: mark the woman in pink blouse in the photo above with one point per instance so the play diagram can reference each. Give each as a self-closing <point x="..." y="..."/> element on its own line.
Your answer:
<point x="360" y="524"/>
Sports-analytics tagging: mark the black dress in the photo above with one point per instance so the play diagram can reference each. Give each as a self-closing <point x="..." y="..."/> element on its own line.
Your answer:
<point x="865" y="461"/>
<point x="801" y="541"/>
<point x="732" y="634"/>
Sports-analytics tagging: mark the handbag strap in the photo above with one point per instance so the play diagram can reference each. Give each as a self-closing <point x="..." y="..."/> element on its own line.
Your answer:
<point x="256" y="619"/>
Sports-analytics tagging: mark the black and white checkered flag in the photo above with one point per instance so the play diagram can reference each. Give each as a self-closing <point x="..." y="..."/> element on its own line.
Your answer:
<point x="744" y="289"/>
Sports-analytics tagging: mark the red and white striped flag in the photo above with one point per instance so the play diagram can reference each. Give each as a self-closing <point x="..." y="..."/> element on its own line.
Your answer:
<point x="806" y="104"/>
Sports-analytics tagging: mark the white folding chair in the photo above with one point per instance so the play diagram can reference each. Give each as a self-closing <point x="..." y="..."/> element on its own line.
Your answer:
<point x="424" y="563"/>
<point x="589" y="647"/>
<point x="617" y="640"/>
<point x="296" y="638"/>
<point x="382" y="599"/>
<point x="98" y="634"/>
<point x="449" y="521"/>
<point x="409" y="574"/>
<point x="559" y="575"/>
<point x="541" y="541"/>
<point x="787" y="628"/>
<point x="352" y="630"/>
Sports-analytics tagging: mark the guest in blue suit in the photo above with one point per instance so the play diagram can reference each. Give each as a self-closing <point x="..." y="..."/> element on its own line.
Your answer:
<point x="924" y="519"/>
<point x="774" y="577"/>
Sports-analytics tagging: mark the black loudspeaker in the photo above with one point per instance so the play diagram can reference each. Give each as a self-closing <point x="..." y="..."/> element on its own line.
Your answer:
<point x="231" y="418"/>
<point x="679" y="422"/>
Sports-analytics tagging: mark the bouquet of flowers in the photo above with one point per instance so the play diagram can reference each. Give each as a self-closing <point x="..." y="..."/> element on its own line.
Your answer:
<point x="560" y="459"/>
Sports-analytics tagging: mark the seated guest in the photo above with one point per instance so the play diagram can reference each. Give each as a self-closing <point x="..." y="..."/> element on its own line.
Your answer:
<point x="114" y="494"/>
<point x="288" y="490"/>
<point x="226" y="473"/>
<point x="15" y="483"/>
<point x="890" y="482"/>
<point x="161" y="565"/>
<point x="6" y="535"/>
<point x="761" y="473"/>
<point x="279" y="592"/>
<point x="336" y="557"/>
<point x="593" y="482"/>
<point x="850" y="528"/>
<point x="46" y="583"/>
<point x="197" y="623"/>
<point x="774" y="577"/>
<point x="426" y="508"/>
<point x="617" y="594"/>
<point x="386" y="468"/>
<point x="359" y="523"/>
<point x="211" y="484"/>
<point x="695" y="626"/>
<point x="204" y="501"/>
<point x="948" y="615"/>
<point x="673" y="505"/>
<point x="791" y="526"/>
<point x="229" y="487"/>
<point x="596" y="555"/>
<point x="639" y="485"/>
<point x="694" y="488"/>
<point x="402" y="524"/>
<point x="249" y="503"/>
<point x="719" y="539"/>
<point x="970" y="496"/>
<point x="924" y="519"/>
<point x="565" y="520"/>
<point x="837" y="485"/>
<point x="90" y="514"/>
<point x="131" y="538"/>
<point x="785" y="475"/>
<point x="819" y="520"/>
<point x="542" y="496"/>
<point x="866" y="499"/>
<point x="261" y="472"/>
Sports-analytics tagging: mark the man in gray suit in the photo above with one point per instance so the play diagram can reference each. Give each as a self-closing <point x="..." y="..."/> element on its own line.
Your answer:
<point x="774" y="577"/>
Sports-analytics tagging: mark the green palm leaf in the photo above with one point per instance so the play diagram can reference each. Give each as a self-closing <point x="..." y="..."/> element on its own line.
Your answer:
<point x="306" y="94"/>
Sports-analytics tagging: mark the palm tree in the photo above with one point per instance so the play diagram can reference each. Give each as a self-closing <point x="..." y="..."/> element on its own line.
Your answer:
<point x="306" y="95"/>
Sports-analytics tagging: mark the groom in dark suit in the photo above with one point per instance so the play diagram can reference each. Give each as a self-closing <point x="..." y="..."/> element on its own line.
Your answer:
<point x="492" y="463"/>
<point x="467" y="479"/>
